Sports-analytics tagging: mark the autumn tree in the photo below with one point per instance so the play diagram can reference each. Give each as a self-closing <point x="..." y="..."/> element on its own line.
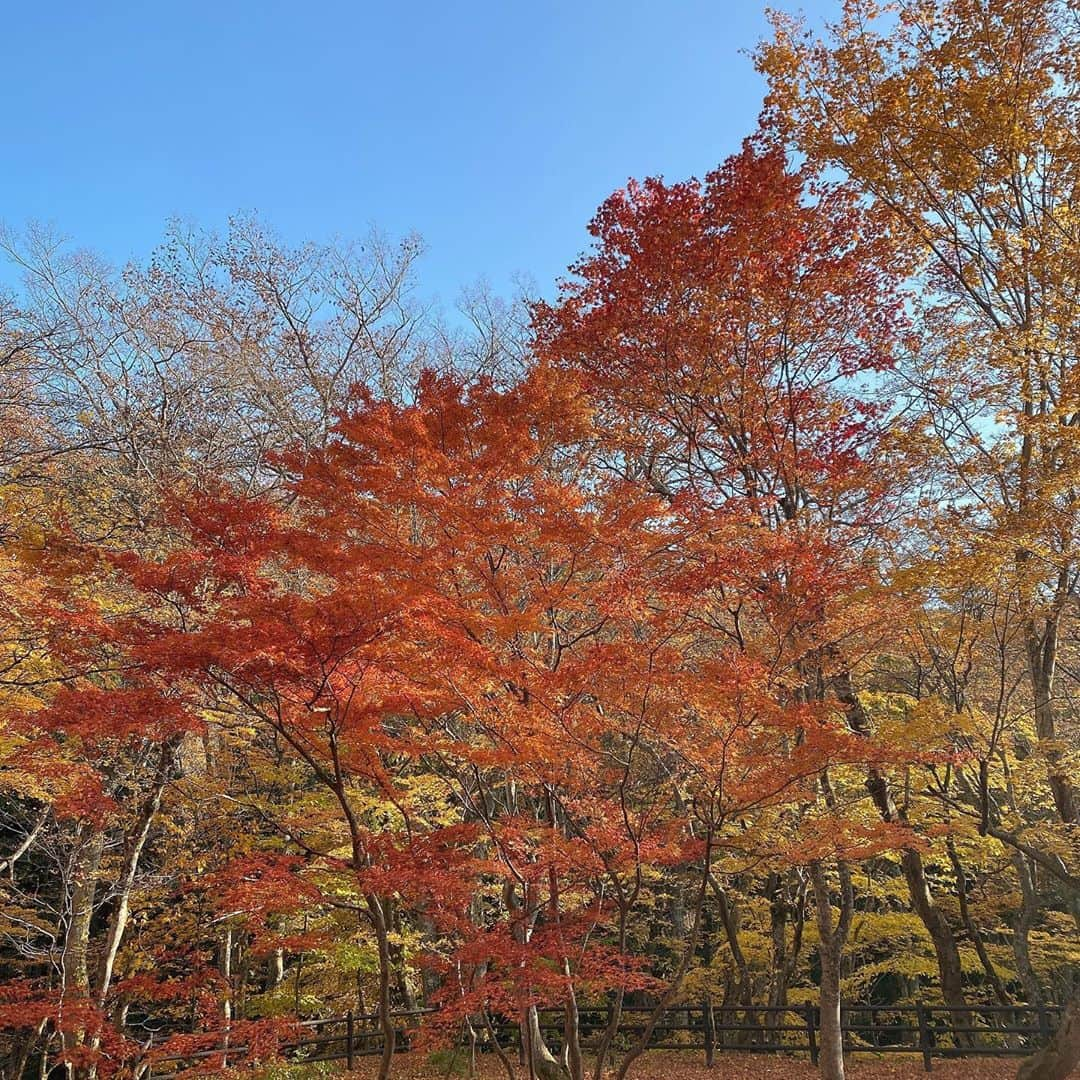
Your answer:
<point x="981" y="183"/>
<point x="726" y="331"/>
<point x="959" y="121"/>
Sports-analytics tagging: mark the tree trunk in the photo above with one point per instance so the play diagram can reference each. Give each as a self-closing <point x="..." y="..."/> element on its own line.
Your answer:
<point x="973" y="931"/>
<point x="275" y="970"/>
<point x="545" y="1066"/>
<point x="575" y="1067"/>
<point x="26" y="1048"/>
<point x="942" y="936"/>
<point x="610" y="1030"/>
<point x="729" y="916"/>
<point x="401" y="967"/>
<point x="787" y="898"/>
<point x="831" y="1049"/>
<point x="500" y="1053"/>
<point x="676" y="981"/>
<point x="76" y="972"/>
<point x="535" y="1053"/>
<point x="136" y="844"/>
<point x="1061" y="1058"/>
<point x="75" y="968"/>
<point x="709" y="1023"/>
<point x="832" y="937"/>
<point x="950" y="972"/>
<point x="386" y="1019"/>
<point x="775" y="892"/>
<point x="32" y="834"/>
<point x="1041" y="649"/>
<point x="1024" y="921"/>
<point x="615" y="1016"/>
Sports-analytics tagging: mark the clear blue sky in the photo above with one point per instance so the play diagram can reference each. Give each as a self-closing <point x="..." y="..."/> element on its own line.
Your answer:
<point x="491" y="128"/>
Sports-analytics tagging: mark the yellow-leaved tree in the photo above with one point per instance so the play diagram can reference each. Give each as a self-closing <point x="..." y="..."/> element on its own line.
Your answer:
<point x="960" y="118"/>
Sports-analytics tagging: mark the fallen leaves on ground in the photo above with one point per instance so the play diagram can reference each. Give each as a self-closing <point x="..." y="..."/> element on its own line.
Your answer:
<point x="687" y="1066"/>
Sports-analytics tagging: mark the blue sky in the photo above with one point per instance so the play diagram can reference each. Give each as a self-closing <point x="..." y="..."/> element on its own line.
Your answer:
<point x="492" y="129"/>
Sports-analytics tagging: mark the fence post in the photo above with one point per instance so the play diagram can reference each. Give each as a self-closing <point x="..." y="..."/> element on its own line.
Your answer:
<point x="350" y="1036"/>
<point x="709" y="1023"/>
<point x="926" y="1036"/>
<point x="810" y="1013"/>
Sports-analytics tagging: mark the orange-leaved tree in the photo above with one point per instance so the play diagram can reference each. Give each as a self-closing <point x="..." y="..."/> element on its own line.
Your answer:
<point x="729" y="333"/>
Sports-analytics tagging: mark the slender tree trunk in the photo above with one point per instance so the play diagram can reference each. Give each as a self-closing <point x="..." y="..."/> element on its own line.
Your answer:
<point x="571" y="1020"/>
<point x="775" y="892"/>
<point x="226" y="969"/>
<point x="298" y="978"/>
<point x="126" y="881"/>
<point x="471" y="1031"/>
<point x="75" y="967"/>
<point x="1041" y="649"/>
<point x="225" y="966"/>
<point x="500" y="1053"/>
<point x="707" y="1017"/>
<point x="730" y="918"/>
<point x="992" y="975"/>
<point x="32" y="834"/>
<point x="572" y="1032"/>
<point x="832" y="938"/>
<point x="615" y="1018"/>
<point x="386" y="1019"/>
<point x="27" y="1046"/>
<point x="404" y="988"/>
<point x="709" y="1023"/>
<point x="786" y="898"/>
<point x="610" y="1030"/>
<point x="1029" y="911"/>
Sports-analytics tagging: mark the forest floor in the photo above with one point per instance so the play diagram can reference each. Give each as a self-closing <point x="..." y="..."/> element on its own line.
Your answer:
<point x="665" y="1065"/>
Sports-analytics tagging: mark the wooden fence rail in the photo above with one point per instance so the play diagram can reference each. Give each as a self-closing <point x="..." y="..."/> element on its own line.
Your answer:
<point x="928" y="1030"/>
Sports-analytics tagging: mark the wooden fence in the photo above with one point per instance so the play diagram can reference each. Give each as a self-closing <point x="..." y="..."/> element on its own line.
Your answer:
<point x="927" y="1030"/>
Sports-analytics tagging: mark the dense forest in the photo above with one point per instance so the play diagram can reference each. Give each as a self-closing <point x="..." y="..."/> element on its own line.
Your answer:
<point x="709" y="633"/>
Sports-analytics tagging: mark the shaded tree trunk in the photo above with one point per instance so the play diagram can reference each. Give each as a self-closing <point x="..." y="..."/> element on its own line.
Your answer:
<point x="1061" y="1058"/>
<point x="75" y="972"/>
<point x="676" y="980"/>
<point x="572" y="1032"/>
